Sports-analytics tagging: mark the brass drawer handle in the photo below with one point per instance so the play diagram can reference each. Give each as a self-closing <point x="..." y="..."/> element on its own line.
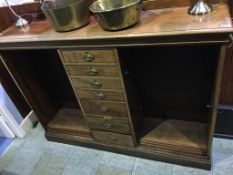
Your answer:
<point x="88" y="57"/>
<point x="96" y="85"/>
<point x="92" y="72"/>
<point x="107" y="125"/>
<point x="99" y="96"/>
<point x="103" y="109"/>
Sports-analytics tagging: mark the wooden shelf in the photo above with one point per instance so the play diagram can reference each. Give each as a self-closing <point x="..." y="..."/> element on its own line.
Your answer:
<point x="153" y="24"/>
<point x="69" y="121"/>
<point x="175" y="135"/>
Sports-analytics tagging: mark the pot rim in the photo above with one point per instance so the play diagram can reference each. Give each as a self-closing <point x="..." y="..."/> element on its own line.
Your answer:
<point x="110" y="10"/>
<point x="72" y="2"/>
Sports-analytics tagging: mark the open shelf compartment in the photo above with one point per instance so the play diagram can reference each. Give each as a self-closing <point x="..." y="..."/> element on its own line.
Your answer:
<point x="44" y="79"/>
<point x="173" y="91"/>
<point x="69" y="121"/>
<point x="175" y="135"/>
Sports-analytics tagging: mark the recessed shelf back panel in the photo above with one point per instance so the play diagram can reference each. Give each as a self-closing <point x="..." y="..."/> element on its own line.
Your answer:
<point x="172" y="81"/>
<point x="52" y="76"/>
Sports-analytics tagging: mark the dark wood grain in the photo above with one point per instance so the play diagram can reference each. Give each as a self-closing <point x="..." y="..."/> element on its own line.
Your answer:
<point x="116" y="109"/>
<point x="26" y="10"/>
<point x="118" y="125"/>
<point x="69" y="121"/>
<point x="226" y="96"/>
<point x="105" y="83"/>
<point x="231" y="7"/>
<point x="182" y="136"/>
<point x="174" y="83"/>
<point x="155" y="27"/>
<point x="18" y="63"/>
<point x="13" y="91"/>
<point x="113" y="138"/>
<point x="101" y="70"/>
<point x="99" y="56"/>
<point x="116" y="96"/>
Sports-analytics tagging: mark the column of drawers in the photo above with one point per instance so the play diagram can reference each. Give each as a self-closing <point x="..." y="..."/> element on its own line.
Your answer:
<point x="96" y="79"/>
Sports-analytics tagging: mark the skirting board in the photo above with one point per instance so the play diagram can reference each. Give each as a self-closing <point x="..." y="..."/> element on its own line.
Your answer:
<point x="28" y="123"/>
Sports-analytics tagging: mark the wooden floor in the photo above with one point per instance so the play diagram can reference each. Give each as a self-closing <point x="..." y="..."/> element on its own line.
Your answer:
<point x="182" y="136"/>
<point x="69" y="121"/>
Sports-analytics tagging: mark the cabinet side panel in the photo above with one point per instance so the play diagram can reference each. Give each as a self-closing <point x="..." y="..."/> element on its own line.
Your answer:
<point x="216" y="95"/>
<point x="44" y="107"/>
<point x="13" y="91"/>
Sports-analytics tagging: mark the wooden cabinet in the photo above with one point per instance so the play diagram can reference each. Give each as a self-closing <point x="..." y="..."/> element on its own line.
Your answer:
<point x="102" y="76"/>
<point x="150" y="91"/>
<point x="225" y="116"/>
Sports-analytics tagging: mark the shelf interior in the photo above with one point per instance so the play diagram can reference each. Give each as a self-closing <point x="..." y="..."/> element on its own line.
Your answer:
<point x="176" y="135"/>
<point x="69" y="121"/>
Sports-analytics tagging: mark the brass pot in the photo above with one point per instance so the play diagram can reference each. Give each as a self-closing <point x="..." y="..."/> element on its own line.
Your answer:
<point x="117" y="14"/>
<point x="66" y="15"/>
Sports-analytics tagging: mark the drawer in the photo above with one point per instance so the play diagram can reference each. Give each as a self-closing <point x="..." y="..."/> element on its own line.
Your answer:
<point x="101" y="95"/>
<point x="104" y="108"/>
<point x="92" y="70"/>
<point x="89" y="56"/>
<point x="113" y="138"/>
<point x="97" y="83"/>
<point x="113" y="124"/>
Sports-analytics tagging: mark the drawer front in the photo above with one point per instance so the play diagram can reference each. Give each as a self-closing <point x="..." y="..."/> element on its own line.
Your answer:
<point x="113" y="138"/>
<point x="92" y="70"/>
<point x="97" y="83"/>
<point x="101" y="95"/>
<point x="89" y="56"/>
<point x="109" y="124"/>
<point x="104" y="108"/>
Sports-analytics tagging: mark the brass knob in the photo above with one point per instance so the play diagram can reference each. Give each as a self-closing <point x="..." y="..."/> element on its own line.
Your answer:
<point x="92" y="72"/>
<point x="103" y="109"/>
<point x="107" y="125"/>
<point x="88" y="57"/>
<point x="99" y="96"/>
<point x="96" y="85"/>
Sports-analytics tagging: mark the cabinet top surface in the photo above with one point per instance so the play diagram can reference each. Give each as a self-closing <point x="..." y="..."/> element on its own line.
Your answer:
<point x="153" y="23"/>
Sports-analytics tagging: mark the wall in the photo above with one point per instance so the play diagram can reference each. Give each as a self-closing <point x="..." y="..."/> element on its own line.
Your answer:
<point x="155" y="4"/>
